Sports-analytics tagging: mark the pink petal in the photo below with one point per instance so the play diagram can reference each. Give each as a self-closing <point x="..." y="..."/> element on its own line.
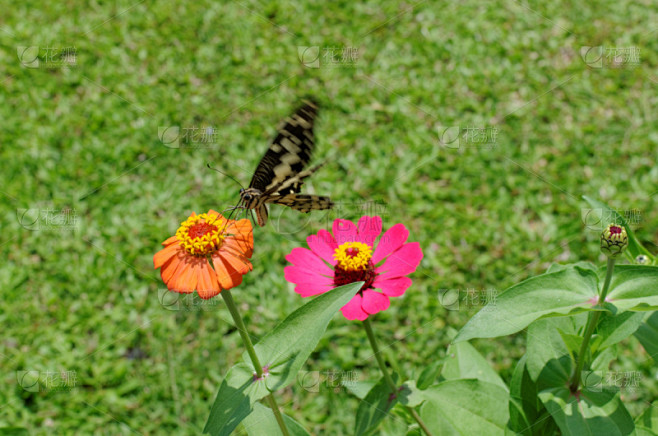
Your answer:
<point x="369" y="229"/>
<point x="390" y="241"/>
<point x="295" y="274"/>
<point x="402" y="262"/>
<point x="344" y="231"/>
<point x="324" y="245"/>
<point x="374" y="302"/>
<point x="352" y="310"/>
<point x="305" y="258"/>
<point x="310" y="289"/>
<point x="392" y="287"/>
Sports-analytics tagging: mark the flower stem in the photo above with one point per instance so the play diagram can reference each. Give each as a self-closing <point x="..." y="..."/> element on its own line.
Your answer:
<point x="239" y="323"/>
<point x="592" y="321"/>
<point x="277" y="415"/>
<point x="387" y="376"/>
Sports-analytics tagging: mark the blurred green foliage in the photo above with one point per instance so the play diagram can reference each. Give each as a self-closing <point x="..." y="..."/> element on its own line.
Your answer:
<point x="85" y="138"/>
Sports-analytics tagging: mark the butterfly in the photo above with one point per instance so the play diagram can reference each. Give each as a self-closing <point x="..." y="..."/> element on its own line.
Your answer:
<point x="280" y="174"/>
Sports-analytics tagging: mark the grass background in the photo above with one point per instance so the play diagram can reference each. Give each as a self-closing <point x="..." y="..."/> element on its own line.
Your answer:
<point x="85" y="138"/>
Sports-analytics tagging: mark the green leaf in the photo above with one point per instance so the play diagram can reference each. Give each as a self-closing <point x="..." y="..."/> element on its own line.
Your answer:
<point x="235" y="399"/>
<point x="635" y="248"/>
<point x="283" y="351"/>
<point x="594" y="413"/>
<point x="643" y="431"/>
<point x="566" y="292"/>
<point x="524" y="407"/>
<point x="648" y="420"/>
<point x="287" y="347"/>
<point x="633" y="287"/>
<point x="647" y="334"/>
<point x="614" y="328"/>
<point x="546" y="349"/>
<point x="360" y="388"/>
<point x="395" y="427"/>
<point x="374" y="407"/>
<point x="464" y="407"/>
<point x="603" y="358"/>
<point x="463" y="361"/>
<point x="262" y="422"/>
<point x="429" y="374"/>
<point x="572" y="342"/>
<point x="555" y="267"/>
<point x="410" y="395"/>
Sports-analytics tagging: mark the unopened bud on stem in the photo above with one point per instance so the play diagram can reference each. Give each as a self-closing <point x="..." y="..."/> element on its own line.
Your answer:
<point x="614" y="240"/>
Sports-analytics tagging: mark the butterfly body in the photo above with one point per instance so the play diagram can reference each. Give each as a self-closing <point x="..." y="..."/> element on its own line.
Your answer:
<point x="280" y="174"/>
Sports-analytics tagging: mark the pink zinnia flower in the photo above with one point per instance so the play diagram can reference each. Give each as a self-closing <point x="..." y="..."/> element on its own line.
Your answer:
<point x="351" y="255"/>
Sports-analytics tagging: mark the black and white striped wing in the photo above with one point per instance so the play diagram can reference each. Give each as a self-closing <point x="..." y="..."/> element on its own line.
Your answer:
<point x="303" y="202"/>
<point x="289" y="153"/>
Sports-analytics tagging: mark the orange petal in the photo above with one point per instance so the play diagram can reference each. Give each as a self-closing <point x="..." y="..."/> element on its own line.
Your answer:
<point x="168" y="269"/>
<point x="242" y="226"/>
<point x="241" y="266"/>
<point x="207" y="285"/>
<point x="170" y="240"/>
<point x="186" y="277"/>
<point x="240" y="245"/>
<point x="237" y="246"/>
<point x="162" y="256"/>
<point x="234" y="252"/>
<point x="175" y="278"/>
<point x="227" y="276"/>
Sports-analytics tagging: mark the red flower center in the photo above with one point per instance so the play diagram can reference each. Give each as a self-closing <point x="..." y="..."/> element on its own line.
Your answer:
<point x="200" y="235"/>
<point x="343" y="277"/>
<point x="615" y="230"/>
<point x="352" y="251"/>
<point x="200" y="229"/>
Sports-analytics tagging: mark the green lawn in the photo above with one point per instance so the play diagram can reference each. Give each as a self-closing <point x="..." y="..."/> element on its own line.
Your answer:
<point x="85" y="137"/>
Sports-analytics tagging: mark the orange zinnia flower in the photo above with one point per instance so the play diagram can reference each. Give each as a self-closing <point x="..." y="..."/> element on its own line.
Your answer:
<point x="209" y="253"/>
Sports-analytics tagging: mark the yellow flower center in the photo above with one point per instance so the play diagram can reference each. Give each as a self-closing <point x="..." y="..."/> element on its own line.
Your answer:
<point x="201" y="235"/>
<point x="353" y="256"/>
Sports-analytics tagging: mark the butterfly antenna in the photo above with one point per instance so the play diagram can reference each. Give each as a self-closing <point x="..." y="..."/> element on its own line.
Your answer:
<point x="222" y="172"/>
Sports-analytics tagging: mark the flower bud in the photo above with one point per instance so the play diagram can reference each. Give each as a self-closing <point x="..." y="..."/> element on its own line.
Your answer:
<point x="614" y="240"/>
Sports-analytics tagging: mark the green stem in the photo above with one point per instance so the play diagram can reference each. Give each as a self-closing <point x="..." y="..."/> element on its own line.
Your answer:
<point x="387" y="376"/>
<point x="608" y="279"/>
<point x="380" y="359"/>
<point x="592" y="321"/>
<point x="239" y="323"/>
<point x="277" y="415"/>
